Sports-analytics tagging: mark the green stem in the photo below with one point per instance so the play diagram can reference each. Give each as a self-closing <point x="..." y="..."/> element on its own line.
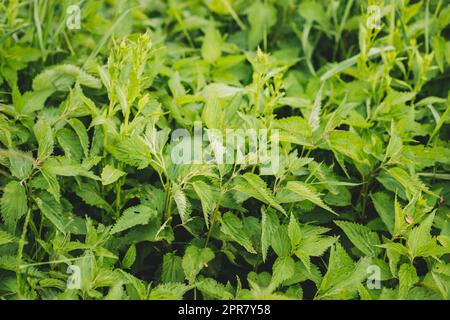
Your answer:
<point x="20" y="252"/>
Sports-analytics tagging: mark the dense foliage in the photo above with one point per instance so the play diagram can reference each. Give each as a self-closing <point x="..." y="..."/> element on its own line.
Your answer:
<point x="88" y="184"/>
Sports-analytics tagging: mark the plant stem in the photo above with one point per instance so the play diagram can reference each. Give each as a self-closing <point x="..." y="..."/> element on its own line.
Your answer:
<point x="20" y="252"/>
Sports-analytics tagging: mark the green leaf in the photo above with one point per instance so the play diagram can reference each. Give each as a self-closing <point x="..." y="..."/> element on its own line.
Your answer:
<point x="362" y="237"/>
<point x="182" y="203"/>
<point x="90" y="195"/>
<point x="283" y="269"/>
<point x="269" y="225"/>
<point x="233" y="227"/>
<point x="210" y="288"/>
<point x="383" y="205"/>
<point x="262" y="17"/>
<point x="172" y="269"/>
<point x="281" y="243"/>
<point x="52" y="211"/>
<point x="133" y="216"/>
<point x="411" y="183"/>
<point x="348" y="144"/>
<point x="130" y="257"/>
<point x="131" y="150"/>
<point x="294" y="130"/>
<point x="6" y="238"/>
<point x="168" y="291"/>
<point x="110" y="175"/>
<point x="13" y="204"/>
<point x="63" y="77"/>
<point x="69" y="142"/>
<point x="21" y="167"/>
<point x="255" y="187"/>
<point x="206" y="196"/>
<point x="44" y="136"/>
<point x="407" y="277"/>
<point x="212" y="42"/>
<point x="81" y="132"/>
<point x="313" y="11"/>
<point x="343" y="276"/>
<point x="421" y="243"/>
<point x="61" y="166"/>
<point x="307" y="192"/>
<point x="294" y="231"/>
<point x="439" y="46"/>
<point x="194" y="260"/>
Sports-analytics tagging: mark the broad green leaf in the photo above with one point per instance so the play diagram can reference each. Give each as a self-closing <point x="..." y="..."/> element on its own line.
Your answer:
<point x="13" y="204"/>
<point x="262" y="17"/>
<point x="172" y="269"/>
<point x="62" y="77"/>
<point x="82" y="134"/>
<point x="52" y="211"/>
<point x="168" y="291"/>
<point x="385" y="209"/>
<point x="206" y="196"/>
<point x="269" y="225"/>
<point x="421" y="243"/>
<point x="349" y="144"/>
<point x="130" y="257"/>
<point x="362" y="237"/>
<point x="407" y="279"/>
<point x="44" y="136"/>
<point x="307" y="192"/>
<point x="194" y="260"/>
<point x="110" y="175"/>
<point x="233" y="227"/>
<point x="133" y="216"/>
<point x="281" y="243"/>
<point x="294" y="231"/>
<point x="210" y="288"/>
<point x="212" y="42"/>
<point x="255" y="187"/>
<point x="283" y="269"/>
<point x="6" y="238"/>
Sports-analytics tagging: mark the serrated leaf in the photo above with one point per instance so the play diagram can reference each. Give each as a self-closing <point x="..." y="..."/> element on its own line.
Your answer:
<point x="206" y="196"/>
<point x="110" y="175"/>
<point x="168" y="291"/>
<point x="182" y="203"/>
<point x="81" y="132"/>
<point x="383" y="205"/>
<point x="308" y="193"/>
<point x="172" y="269"/>
<point x="212" y="42"/>
<point x="361" y="236"/>
<point x="194" y="260"/>
<point x="133" y="216"/>
<point x="44" y="136"/>
<point x="6" y="238"/>
<point x="294" y="231"/>
<point x="13" y="204"/>
<point x="90" y="195"/>
<point x="269" y="224"/>
<point x="52" y="211"/>
<point x="283" y="269"/>
<point x="255" y="187"/>
<point x="407" y="279"/>
<point x="130" y="257"/>
<point x="62" y="77"/>
<point x="233" y="227"/>
<point x="213" y="289"/>
<point x="349" y="144"/>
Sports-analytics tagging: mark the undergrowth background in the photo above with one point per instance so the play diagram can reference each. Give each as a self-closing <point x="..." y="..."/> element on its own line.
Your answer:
<point x="86" y="177"/>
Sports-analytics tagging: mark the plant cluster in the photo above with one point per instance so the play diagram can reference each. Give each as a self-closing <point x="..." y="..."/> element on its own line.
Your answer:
<point x="94" y="207"/>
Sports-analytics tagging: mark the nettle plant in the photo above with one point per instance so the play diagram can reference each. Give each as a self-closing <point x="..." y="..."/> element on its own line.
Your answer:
<point x="353" y="98"/>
